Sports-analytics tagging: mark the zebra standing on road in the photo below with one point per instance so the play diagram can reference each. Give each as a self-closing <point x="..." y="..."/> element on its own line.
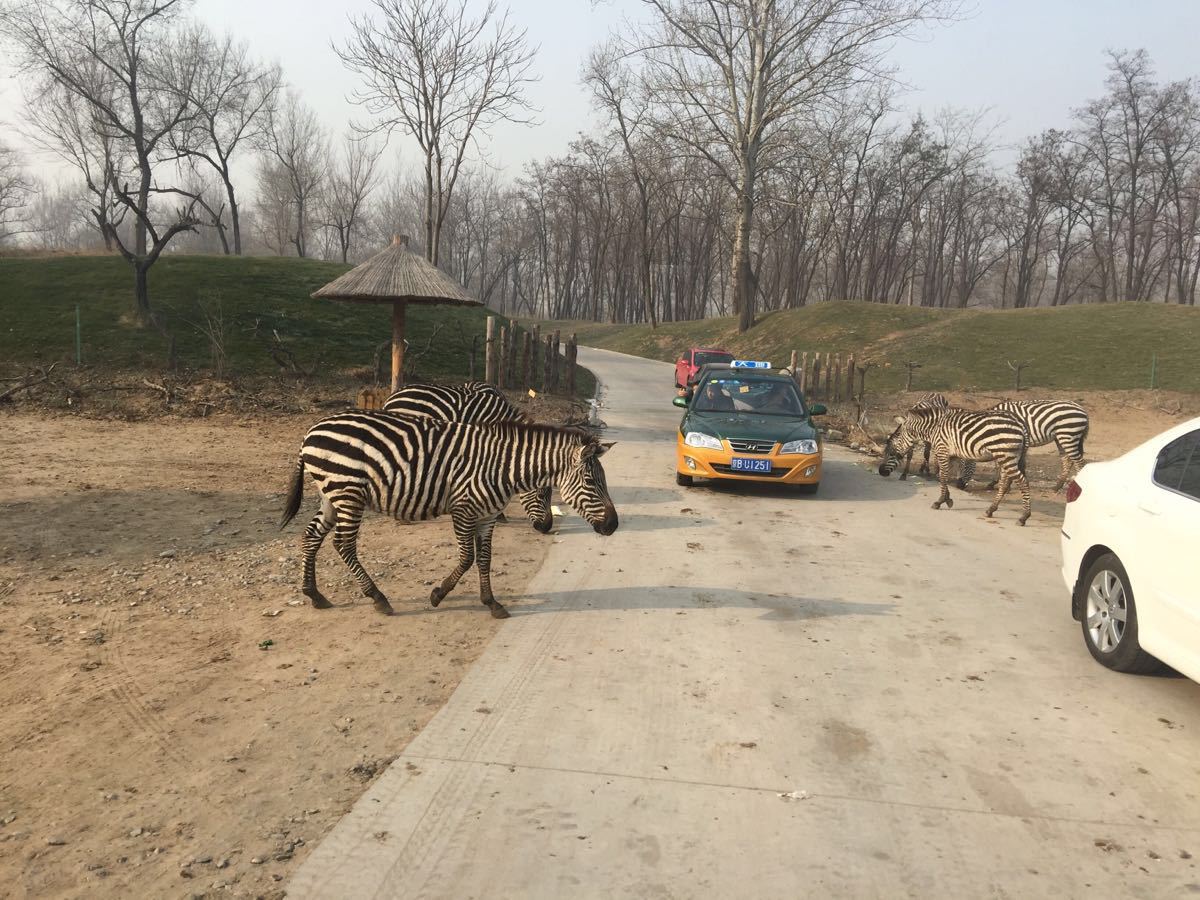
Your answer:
<point x="479" y="403"/>
<point x="419" y="468"/>
<point x="1061" y="421"/>
<point x="967" y="435"/>
<point x="932" y="400"/>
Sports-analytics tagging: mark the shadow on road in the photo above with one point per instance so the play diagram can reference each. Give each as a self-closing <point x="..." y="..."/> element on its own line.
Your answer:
<point x="775" y="607"/>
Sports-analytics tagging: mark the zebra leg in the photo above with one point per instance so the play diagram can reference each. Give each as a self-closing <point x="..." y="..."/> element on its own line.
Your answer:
<point x="907" y="463"/>
<point x="943" y="467"/>
<point x="966" y="474"/>
<point x="1005" y="480"/>
<point x="345" y="541"/>
<point x="464" y="533"/>
<point x="1069" y="459"/>
<point x="483" y="560"/>
<point x="924" y="470"/>
<point x="1026" y="505"/>
<point x="314" y="536"/>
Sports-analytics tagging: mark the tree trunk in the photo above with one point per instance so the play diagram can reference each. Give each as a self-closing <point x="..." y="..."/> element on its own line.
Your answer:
<point x="235" y="221"/>
<point x="429" y="251"/>
<point x="141" y="292"/>
<point x="743" y="282"/>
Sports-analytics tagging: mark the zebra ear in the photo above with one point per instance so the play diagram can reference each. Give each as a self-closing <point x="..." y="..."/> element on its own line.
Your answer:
<point x="604" y="448"/>
<point x="899" y="420"/>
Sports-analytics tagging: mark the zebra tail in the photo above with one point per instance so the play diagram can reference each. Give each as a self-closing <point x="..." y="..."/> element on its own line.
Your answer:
<point x="1021" y="460"/>
<point x="295" y="495"/>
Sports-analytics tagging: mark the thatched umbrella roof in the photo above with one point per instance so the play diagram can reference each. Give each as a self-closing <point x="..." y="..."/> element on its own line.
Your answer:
<point x="397" y="276"/>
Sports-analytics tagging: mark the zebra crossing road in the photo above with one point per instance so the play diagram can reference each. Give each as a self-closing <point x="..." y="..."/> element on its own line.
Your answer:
<point x="746" y="693"/>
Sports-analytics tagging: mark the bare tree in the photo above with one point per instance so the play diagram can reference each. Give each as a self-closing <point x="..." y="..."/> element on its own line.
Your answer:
<point x="435" y="73"/>
<point x="300" y="148"/>
<point x="60" y="121"/>
<point x="233" y="96"/>
<point x="118" y="58"/>
<point x="353" y="176"/>
<point x="16" y="192"/>
<point x="732" y="77"/>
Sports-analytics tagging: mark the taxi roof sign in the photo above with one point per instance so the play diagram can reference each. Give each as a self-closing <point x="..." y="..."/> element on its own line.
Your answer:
<point x="749" y="364"/>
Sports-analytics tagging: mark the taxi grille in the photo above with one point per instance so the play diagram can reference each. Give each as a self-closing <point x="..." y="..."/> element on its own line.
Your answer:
<point x="744" y="446"/>
<point x="728" y="470"/>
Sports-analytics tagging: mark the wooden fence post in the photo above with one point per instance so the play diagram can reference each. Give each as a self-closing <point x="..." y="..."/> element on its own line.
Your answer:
<point x="850" y="377"/>
<point x="837" y="377"/>
<point x="828" y="370"/>
<point x="537" y="355"/>
<point x="572" y="354"/>
<point x="512" y="357"/>
<point x="554" y="364"/>
<point x="816" y="374"/>
<point x="792" y="366"/>
<point x="803" y="371"/>
<point x="549" y="361"/>
<point x="526" y="340"/>
<point x="501" y="356"/>
<point x="489" y="352"/>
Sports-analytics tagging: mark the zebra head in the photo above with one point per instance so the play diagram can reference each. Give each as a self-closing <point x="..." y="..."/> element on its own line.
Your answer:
<point x="899" y="442"/>
<point x="583" y="486"/>
<point x="537" y="509"/>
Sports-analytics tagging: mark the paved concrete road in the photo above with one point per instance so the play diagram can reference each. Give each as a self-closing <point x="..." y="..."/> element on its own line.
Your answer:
<point x="915" y="674"/>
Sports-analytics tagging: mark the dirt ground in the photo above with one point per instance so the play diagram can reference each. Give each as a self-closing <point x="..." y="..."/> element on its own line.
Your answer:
<point x="176" y="722"/>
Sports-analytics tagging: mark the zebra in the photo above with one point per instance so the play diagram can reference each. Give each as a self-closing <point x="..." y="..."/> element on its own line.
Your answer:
<point x="969" y="436"/>
<point x="479" y="403"/>
<point x="932" y="400"/>
<point x="419" y="468"/>
<point x="1061" y="421"/>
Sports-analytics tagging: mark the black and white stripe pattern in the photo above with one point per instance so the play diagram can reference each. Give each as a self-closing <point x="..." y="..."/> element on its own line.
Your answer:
<point x="1059" y="421"/>
<point x="416" y="468"/>
<point x="475" y="402"/>
<point x="967" y="435"/>
<point x="931" y="400"/>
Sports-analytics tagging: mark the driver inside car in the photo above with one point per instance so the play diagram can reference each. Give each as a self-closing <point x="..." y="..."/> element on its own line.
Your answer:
<point x="715" y="399"/>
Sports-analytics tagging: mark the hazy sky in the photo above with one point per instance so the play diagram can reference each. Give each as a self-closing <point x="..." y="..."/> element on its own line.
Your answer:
<point x="1028" y="61"/>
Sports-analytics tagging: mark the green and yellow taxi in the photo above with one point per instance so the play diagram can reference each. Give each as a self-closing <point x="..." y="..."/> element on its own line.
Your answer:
<point x="748" y="422"/>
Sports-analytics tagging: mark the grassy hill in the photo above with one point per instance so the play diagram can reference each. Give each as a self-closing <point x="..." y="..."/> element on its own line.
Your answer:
<point x="1098" y="347"/>
<point x="255" y="296"/>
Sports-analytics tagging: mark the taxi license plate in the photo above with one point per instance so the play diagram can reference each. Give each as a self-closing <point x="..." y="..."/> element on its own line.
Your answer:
<point x="743" y="464"/>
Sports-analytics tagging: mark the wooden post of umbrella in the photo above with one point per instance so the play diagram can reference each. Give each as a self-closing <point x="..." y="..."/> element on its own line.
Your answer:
<point x="397" y="344"/>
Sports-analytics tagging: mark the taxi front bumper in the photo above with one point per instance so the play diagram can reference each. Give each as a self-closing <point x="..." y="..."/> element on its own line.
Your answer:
<point x="793" y="468"/>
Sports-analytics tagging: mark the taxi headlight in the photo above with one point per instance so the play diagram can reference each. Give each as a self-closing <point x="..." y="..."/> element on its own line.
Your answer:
<point x="707" y="441"/>
<point x="809" y="447"/>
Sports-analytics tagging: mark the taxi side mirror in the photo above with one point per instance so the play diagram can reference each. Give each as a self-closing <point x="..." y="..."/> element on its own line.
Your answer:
<point x="817" y="409"/>
<point x="681" y="402"/>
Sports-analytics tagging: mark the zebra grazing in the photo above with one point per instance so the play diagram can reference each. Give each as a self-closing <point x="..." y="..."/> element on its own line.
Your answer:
<point x="1061" y="421"/>
<point x="478" y="403"/>
<point x="925" y="401"/>
<point x="967" y="435"/>
<point x="419" y="468"/>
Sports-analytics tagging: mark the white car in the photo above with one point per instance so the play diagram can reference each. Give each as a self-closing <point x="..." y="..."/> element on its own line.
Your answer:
<point x="1132" y="530"/>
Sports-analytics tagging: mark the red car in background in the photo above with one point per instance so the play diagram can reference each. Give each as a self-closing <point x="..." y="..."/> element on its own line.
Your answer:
<point x="689" y="364"/>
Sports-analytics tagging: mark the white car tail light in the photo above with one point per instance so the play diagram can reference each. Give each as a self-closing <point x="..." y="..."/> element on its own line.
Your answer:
<point x="1073" y="490"/>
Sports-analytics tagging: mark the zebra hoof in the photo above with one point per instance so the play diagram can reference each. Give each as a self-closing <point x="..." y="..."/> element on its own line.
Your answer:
<point x="904" y="478"/>
<point x="1021" y="521"/>
<point x="498" y="611"/>
<point x="436" y="596"/>
<point x="989" y="511"/>
<point x="949" y="503"/>
<point x="317" y="599"/>
<point x="961" y="484"/>
<point x="937" y="504"/>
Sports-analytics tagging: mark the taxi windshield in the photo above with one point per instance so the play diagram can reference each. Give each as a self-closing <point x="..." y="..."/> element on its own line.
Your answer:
<point x="774" y="397"/>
